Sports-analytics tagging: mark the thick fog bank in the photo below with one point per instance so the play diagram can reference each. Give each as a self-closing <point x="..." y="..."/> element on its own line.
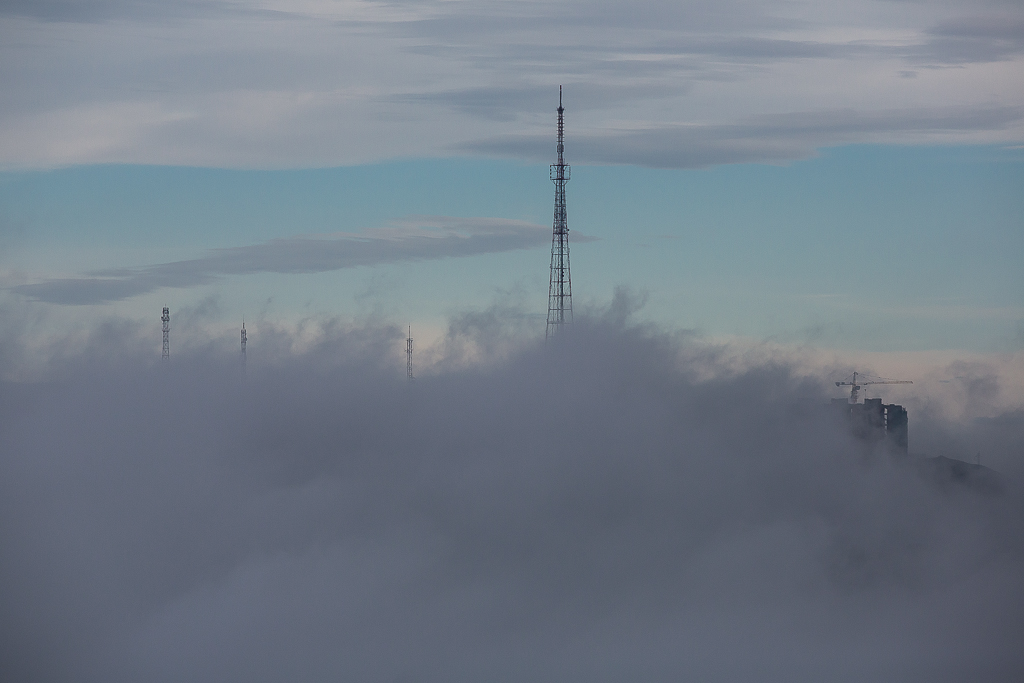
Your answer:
<point x="624" y="505"/>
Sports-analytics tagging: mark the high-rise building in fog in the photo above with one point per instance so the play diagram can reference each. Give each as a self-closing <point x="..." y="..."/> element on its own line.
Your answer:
<point x="875" y="422"/>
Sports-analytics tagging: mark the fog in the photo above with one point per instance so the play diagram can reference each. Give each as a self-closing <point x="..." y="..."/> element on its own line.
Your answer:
<point x="626" y="503"/>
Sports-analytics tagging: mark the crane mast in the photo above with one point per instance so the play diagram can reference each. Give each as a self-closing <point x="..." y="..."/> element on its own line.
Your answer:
<point x="855" y="386"/>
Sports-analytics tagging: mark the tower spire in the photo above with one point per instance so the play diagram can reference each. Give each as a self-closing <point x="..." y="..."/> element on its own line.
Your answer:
<point x="166" y="320"/>
<point x="560" y="284"/>
<point x="408" y="353"/>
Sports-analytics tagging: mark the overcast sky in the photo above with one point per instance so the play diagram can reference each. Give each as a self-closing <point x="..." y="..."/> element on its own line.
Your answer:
<point x="668" y="84"/>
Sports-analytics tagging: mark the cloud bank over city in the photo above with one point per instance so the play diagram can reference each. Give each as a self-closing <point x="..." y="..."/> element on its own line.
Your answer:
<point x="628" y="504"/>
<point x="276" y="84"/>
<point x="663" y="496"/>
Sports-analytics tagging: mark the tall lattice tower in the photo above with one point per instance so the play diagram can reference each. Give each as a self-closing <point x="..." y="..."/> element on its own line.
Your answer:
<point x="408" y="355"/>
<point x="166" y="320"/>
<point x="243" y="346"/>
<point x="560" y="285"/>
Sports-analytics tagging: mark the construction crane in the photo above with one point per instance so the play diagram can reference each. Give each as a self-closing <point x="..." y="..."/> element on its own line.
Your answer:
<point x="855" y="385"/>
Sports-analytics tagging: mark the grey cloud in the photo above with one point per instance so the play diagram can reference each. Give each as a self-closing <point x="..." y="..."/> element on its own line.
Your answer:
<point x="636" y="52"/>
<point x="737" y="32"/>
<point x="506" y="103"/>
<point x="765" y="139"/>
<point x="497" y="104"/>
<point x="972" y="39"/>
<point x="994" y="28"/>
<point x="583" y="511"/>
<point x="82" y="95"/>
<point x="763" y="48"/>
<point x="850" y="121"/>
<point x="86" y="11"/>
<point x="572" y="19"/>
<point x="413" y="239"/>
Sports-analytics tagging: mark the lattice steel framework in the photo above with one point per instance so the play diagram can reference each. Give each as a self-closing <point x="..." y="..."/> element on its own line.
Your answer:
<point x="408" y="354"/>
<point x="166" y="320"/>
<point x="560" y="285"/>
<point x="243" y="346"/>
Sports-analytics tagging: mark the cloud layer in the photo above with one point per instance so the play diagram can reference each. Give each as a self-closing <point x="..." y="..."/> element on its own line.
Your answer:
<point x="282" y="83"/>
<point x="413" y="239"/>
<point x="625" y="505"/>
<point x="767" y="139"/>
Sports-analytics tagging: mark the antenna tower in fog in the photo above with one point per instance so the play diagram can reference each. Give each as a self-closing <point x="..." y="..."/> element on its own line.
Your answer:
<point x="408" y="355"/>
<point x="166" y="320"/>
<point x="243" y="345"/>
<point x="560" y="285"/>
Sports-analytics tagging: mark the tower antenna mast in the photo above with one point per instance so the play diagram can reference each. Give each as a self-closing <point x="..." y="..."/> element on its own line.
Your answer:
<point x="166" y="320"/>
<point x="243" y="346"/>
<point x="408" y="354"/>
<point x="560" y="284"/>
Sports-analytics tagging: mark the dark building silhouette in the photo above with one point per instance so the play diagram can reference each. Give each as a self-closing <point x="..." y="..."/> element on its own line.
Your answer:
<point x="876" y="423"/>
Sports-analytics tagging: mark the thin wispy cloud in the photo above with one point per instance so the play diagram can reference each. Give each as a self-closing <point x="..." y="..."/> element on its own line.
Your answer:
<point x="766" y="139"/>
<point x="416" y="238"/>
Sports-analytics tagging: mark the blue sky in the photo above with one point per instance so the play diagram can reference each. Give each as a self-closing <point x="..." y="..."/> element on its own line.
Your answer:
<point x="846" y="173"/>
<point x="870" y="247"/>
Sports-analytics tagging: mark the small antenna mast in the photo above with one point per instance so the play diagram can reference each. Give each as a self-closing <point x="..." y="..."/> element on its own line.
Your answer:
<point x="243" y="345"/>
<point x="408" y="354"/>
<point x="166" y="320"/>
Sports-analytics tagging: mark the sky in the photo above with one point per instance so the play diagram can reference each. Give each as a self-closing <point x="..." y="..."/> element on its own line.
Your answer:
<point x="765" y="197"/>
<point x="843" y="172"/>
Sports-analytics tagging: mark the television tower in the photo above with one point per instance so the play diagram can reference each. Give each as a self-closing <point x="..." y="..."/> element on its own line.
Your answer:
<point x="166" y="320"/>
<point x="243" y="346"/>
<point x="560" y="286"/>
<point x="408" y="355"/>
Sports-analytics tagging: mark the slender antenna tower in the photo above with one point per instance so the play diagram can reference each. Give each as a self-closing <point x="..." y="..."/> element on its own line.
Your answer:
<point x="408" y="355"/>
<point x="166" y="320"/>
<point x="560" y="285"/>
<point x="243" y="346"/>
